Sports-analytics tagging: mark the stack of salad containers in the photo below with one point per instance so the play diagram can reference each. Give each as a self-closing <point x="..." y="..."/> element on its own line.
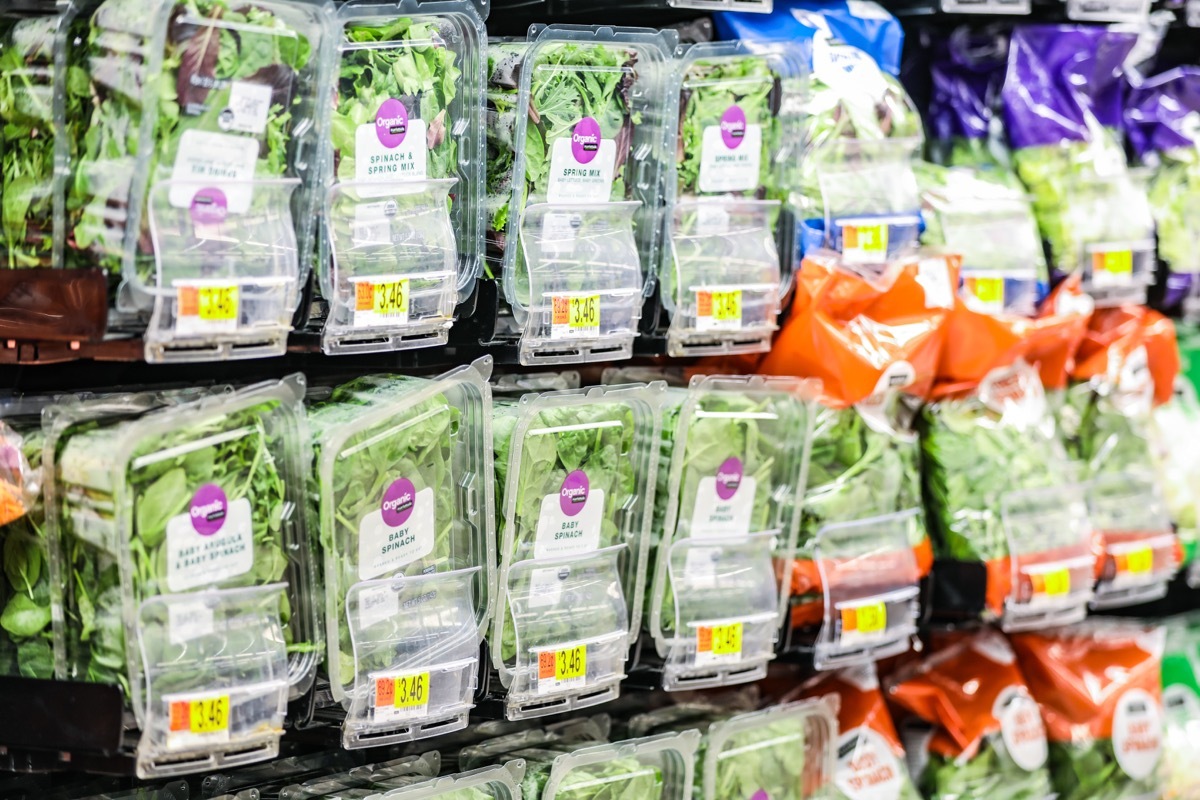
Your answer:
<point x="405" y="509"/>
<point x="736" y="123"/>
<point x="738" y="449"/>
<point x="575" y="474"/>
<point x="182" y="565"/>
<point x="195" y="183"/>
<point x="402" y="238"/>
<point x="581" y="225"/>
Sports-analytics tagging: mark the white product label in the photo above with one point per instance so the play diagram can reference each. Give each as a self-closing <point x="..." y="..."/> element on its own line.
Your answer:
<point x="375" y="162"/>
<point x="1137" y="733"/>
<point x="373" y="223"/>
<point x="249" y="107"/>
<point x="874" y="409"/>
<point x="582" y="166"/>
<point x="934" y="276"/>
<point x="730" y="169"/>
<point x="546" y="586"/>
<point x="196" y="557"/>
<point x="214" y="159"/>
<point x="377" y="604"/>
<point x="724" y="513"/>
<point x="1022" y="729"/>
<point x="188" y="620"/>
<point x="867" y="768"/>
<point x="397" y="534"/>
<point x="1181" y="704"/>
<point x="569" y="523"/>
<point x="559" y="232"/>
<point x="847" y="70"/>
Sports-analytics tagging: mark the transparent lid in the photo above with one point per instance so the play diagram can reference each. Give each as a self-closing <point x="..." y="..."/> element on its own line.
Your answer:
<point x="721" y="270"/>
<point x="869" y="577"/>
<point x="366" y="776"/>
<point x="575" y="471"/>
<point x="1111" y="226"/>
<point x="194" y="500"/>
<point x="501" y="782"/>
<point x="1141" y="551"/>
<point x="585" y="185"/>
<point x="739" y="449"/>
<point x="658" y="767"/>
<point x="563" y="735"/>
<point x="398" y="464"/>
<point x="407" y="154"/>
<point x="783" y="752"/>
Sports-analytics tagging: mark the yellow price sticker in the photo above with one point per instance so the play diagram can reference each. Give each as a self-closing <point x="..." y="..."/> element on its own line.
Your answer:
<point x="1138" y="561"/>
<point x="988" y="291"/>
<point x="390" y="298"/>
<point x="207" y="308"/>
<point x="719" y="642"/>
<point x="865" y="619"/>
<point x="562" y="669"/>
<point x="401" y="696"/>
<point x="865" y="241"/>
<point x="575" y="315"/>
<point x="1114" y="262"/>
<point x="207" y="715"/>
<point x="1053" y="583"/>
<point x="718" y="308"/>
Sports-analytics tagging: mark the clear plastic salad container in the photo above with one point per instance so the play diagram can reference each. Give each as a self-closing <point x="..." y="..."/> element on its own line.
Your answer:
<point x="181" y="560"/>
<point x="402" y="235"/>
<point x="1141" y="552"/>
<point x="738" y="450"/>
<point x="363" y="780"/>
<point x="197" y="180"/>
<point x="405" y="508"/>
<point x="582" y="228"/>
<point x="575" y="471"/>
<point x="656" y="768"/>
<point x="721" y="274"/>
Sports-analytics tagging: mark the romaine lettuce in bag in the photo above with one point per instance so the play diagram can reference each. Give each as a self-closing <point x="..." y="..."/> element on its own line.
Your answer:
<point x="988" y="739"/>
<point x="1099" y="688"/>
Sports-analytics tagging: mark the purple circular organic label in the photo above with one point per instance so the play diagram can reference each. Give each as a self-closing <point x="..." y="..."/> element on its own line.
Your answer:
<point x="729" y="478"/>
<point x="733" y="126"/>
<point x="391" y="123"/>
<point x="209" y="207"/>
<point x="761" y="794"/>
<point x="208" y="509"/>
<point x="574" y="493"/>
<point x="398" y="502"/>
<point x="585" y="140"/>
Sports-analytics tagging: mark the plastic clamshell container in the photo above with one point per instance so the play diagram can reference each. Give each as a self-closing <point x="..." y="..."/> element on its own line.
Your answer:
<point x="1110" y="219"/>
<point x="500" y="782"/>
<point x="1049" y="541"/>
<point x="577" y="501"/>
<point x="181" y="559"/>
<point x="403" y="228"/>
<point x="721" y="273"/>
<point x="210" y="115"/>
<point x="871" y="200"/>
<point x="365" y="779"/>
<point x="656" y="767"/>
<point x="869" y="576"/>
<point x="738" y="462"/>
<point x="405" y="507"/>
<point x="583" y="230"/>
<point x="801" y="735"/>
<point x="1141" y="551"/>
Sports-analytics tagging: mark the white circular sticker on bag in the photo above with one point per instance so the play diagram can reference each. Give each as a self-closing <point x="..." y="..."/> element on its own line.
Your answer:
<point x="1137" y="733"/>
<point x="867" y="769"/>
<point x="1021" y="728"/>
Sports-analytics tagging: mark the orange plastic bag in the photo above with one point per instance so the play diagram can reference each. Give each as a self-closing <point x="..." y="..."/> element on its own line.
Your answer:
<point x="1111" y="346"/>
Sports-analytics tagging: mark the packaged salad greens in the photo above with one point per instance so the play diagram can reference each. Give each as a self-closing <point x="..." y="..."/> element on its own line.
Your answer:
<point x="404" y="504"/>
<point x="582" y="229"/>
<point x="654" y="768"/>
<point x="967" y="73"/>
<point x="403" y="219"/>
<point x="504" y="57"/>
<point x="1099" y="688"/>
<point x="1001" y="493"/>
<point x="1062" y="110"/>
<point x="737" y="449"/>
<point x="295" y="781"/>
<point x="196" y="181"/>
<point x="987" y="738"/>
<point x="1181" y="709"/>
<point x="575" y="474"/>
<point x="1125" y="366"/>
<point x="1178" y="466"/>
<point x="870" y="759"/>
<point x="500" y="782"/>
<point x="734" y="109"/>
<point x="181" y="560"/>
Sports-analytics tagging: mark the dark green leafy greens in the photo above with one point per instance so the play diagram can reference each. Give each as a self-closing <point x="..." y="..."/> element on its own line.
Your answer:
<point x="622" y="778"/>
<point x="1089" y="771"/>
<point x="1103" y="434"/>
<point x="989" y="774"/>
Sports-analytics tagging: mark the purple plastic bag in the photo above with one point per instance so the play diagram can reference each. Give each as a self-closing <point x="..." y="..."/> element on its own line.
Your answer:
<point x="1057" y="75"/>
<point x="967" y="72"/>
<point x="1163" y="113"/>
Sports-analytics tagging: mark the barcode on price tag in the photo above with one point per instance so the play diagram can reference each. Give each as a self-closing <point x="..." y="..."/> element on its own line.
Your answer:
<point x="865" y="244"/>
<point x="206" y="308"/>
<point x="198" y="719"/>
<point x="1052" y="583"/>
<point x="574" y="316"/>
<point x="382" y="302"/>
<point x="718" y="309"/>
<point x="401" y="696"/>
<point x="563" y="669"/>
<point x="863" y="622"/>
<point x="717" y="644"/>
